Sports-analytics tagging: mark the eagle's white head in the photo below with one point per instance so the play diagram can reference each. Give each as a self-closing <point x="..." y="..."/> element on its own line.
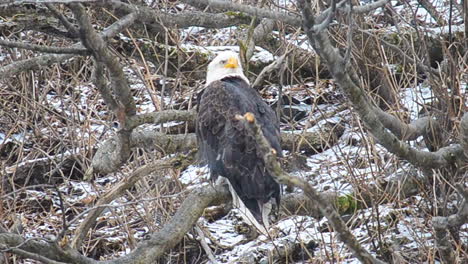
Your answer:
<point x="226" y="64"/>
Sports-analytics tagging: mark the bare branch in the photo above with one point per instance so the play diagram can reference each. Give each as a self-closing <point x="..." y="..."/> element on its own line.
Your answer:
<point x="99" y="79"/>
<point x="19" y="2"/>
<point x="275" y="65"/>
<point x="42" y="48"/>
<point x="254" y="11"/>
<point x="98" y="47"/>
<point x="442" y="225"/>
<point x="49" y="251"/>
<point x="35" y="256"/>
<point x="31" y="64"/>
<point x="401" y="130"/>
<point x="176" y="228"/>
<point x="68" y="25"/>
<point x="273" y="166"/>
<point x="464" y="135"/>
<point x="431" y="9"/>
<point x="349" y="38"/>
<point x="107" y="159"/>
<point x="366" y="8"/>
<point x="205" y="246"/>
<point x="161" y="117"/>
<point x="181" y="20"/>
<point x="116" y="191"/>
<point x="324" y="24"/>
<point x="395" y="48"/>
<point x="290" y="19"/>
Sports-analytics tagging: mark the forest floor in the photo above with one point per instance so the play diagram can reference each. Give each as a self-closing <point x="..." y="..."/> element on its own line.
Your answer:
<point x="71" y="121"/>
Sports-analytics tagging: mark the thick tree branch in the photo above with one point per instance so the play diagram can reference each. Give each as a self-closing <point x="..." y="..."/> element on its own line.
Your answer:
<point x="123" y="103"/>
<point x="19" y="2"/>
<point x="161" y="117"/>
<point x="442" y="225"/>
<point x="464" y="135"/>
<point x="98" y="47"/>
<point x="42" y="48"/>
<point x="107" y="159"/>
<point x="402" y="130"/>
<point x="99" y="80"/>
<point x="35" y="256"/>
<point x="47" y="249"/>
<point x="180" y="20"/>
<point x="274" y="66"/>
<point x="253" y="11"/>
<point x="176" y="228"/>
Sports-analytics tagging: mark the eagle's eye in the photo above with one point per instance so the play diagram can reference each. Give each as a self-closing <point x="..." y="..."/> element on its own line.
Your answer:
<point x="223" y="62"/>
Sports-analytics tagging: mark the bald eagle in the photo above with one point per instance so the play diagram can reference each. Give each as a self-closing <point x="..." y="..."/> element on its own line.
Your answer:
<point x="226" y="146"/>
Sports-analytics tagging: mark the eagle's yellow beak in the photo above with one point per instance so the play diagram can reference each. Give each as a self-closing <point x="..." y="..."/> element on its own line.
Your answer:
<point x="232" y="63"/>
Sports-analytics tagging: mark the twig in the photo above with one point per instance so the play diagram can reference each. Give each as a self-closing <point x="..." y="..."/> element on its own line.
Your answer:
<point x="326" y="22"/>
<point x="431" y="9"/>
<point x="275" y="65"/>
<point x="68" y="25"/>
<point x="64" y="219"/>
<point x="349" y="41"/>
<point x="395" y="48"/>
<point x="279" y="103"/>
<point x="25" y="188"/>
<point x="110" y="205"/>
<point x="205" y="246"/>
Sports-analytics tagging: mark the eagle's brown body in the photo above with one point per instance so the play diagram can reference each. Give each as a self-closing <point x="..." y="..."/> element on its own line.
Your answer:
<point x="227" y="147"/>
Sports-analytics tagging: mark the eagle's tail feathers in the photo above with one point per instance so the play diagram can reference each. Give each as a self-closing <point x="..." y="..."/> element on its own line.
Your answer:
<point x="247" y="214"/>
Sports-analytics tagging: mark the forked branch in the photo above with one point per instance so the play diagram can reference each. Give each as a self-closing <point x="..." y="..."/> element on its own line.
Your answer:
<point x="273" y="166"/>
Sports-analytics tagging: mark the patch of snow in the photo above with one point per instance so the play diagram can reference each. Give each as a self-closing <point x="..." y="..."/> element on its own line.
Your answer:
<point x="194" y="175"/>
<point x="224" y="231"/>
<point x="260" y="54"/>
<point x="19" y="137"/>
<point x="415" y="98"/>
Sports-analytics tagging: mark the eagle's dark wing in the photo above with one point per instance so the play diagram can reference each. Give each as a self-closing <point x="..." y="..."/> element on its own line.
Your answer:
<point x="228" y="148"/>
